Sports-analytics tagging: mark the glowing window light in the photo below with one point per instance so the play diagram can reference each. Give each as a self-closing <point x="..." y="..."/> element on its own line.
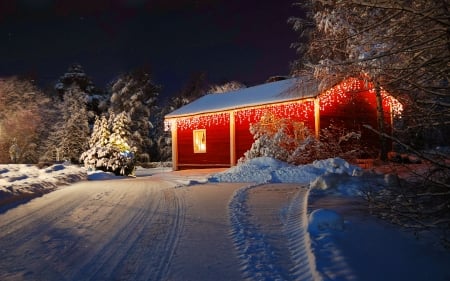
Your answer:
<point x="199" y="141"/>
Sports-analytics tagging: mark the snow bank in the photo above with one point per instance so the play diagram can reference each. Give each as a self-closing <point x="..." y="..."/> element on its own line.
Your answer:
<point x="269" y="170"/>
<point x="101" y="175"/>
<point x="330" y="176"/>
<point x="19" y="181"/>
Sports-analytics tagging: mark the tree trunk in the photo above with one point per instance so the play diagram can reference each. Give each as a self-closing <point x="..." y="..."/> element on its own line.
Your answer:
<point x="380" y="121"/>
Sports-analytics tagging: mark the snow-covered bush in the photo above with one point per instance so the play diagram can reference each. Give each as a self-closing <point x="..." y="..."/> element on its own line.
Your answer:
<point x="108" y="159"/>
<point x="275" y="137"/>
<point x="291" y="141"/>
<point x="110" y="150"/>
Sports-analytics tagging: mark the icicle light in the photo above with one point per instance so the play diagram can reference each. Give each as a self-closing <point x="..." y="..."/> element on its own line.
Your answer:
<point x="203" y="121"/>
<point x="304" y="109"/>
<point x="390" y="102"/>
<point x="340" y="93"/>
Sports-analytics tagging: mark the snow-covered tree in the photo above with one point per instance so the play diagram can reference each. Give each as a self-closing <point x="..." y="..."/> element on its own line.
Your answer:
<point x="23" y="118"/>
<point x="162" y="145"/>
<point x="100" y="132"/>
<point x="95" y="100"/>
<point x="70" y="133"/>
<point x="193" y="89"/>
<point x="109" y="146"/>
<point x="120" y="132"/>
<point x="75" y="75"/>
<point x="227" y="87"/>
<point x="136" y="94"/>
<point x="401" y="46"/>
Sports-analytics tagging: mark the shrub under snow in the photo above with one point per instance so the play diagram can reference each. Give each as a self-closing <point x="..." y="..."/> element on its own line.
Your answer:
<point x="292" y="142"/>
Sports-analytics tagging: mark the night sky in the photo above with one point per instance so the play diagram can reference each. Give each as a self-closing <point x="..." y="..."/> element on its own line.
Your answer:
<point x="243" y="40"/>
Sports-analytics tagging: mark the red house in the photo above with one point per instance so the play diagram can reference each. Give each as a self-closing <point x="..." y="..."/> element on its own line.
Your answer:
<point x="213" y="131"/>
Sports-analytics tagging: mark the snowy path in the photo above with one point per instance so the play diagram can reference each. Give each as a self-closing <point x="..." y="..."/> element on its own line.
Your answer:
<point x="145" y="229"/>
<point x="106" y="230"/>
<point x="205" y="250"/>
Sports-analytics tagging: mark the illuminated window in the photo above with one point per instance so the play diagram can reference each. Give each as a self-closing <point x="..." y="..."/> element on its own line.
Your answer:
<point x="200" y="141"/>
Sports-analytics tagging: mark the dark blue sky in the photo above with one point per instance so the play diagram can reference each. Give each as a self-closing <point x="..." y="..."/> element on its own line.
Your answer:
<point x="246" y="40"/>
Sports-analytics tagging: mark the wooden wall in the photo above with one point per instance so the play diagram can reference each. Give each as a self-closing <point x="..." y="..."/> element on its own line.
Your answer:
<point x="352" y="110"/>
<point x="217" y="142"/>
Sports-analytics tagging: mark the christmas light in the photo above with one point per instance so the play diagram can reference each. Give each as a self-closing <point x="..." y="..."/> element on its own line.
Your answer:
<point x="341" y="93"/>
<point x="303" y="109"/>
<point x="299" y="109"/>
<point x="203" y="121"/>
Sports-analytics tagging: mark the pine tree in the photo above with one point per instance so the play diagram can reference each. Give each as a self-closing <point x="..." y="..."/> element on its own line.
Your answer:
<point x="136" y="94"/>
<point x="75" y="77"/>
<point x="120" y="133"/>
<point x="109" y="148"/>
<point x="100" y="132"/>
<point x="194" y="88"/>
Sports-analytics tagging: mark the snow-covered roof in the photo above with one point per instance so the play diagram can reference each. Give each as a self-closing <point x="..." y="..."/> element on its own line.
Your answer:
<point x="269" y="93"/>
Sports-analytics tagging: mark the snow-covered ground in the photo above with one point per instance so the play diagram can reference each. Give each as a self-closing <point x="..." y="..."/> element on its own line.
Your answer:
<point x="262" y="220"/>
<point x="345" y="241"/>
<point x="21" y="181"/>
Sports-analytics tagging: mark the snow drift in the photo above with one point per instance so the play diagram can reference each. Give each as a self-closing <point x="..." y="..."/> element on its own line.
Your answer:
<point x="23" y="181"/>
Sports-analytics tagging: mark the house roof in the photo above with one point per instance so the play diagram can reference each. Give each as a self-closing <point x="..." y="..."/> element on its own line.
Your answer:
<point x="269" y="93"/>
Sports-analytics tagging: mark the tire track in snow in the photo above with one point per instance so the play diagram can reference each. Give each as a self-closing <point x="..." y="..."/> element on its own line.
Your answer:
<point x="255" y="253"/>
<point x="169" y="244"/>
<point x="110" y="230"/>
<point x="259" y="257"/>
<point x="299" y="242"/>
<point x="119" y="251"/>
<point x="148" y="242"/>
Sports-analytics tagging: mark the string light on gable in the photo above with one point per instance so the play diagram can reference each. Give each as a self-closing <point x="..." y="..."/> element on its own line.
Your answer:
<point x="340" y="94"/>
<point x="303" y="109"/>
<point x="390" y="102"/>
<point x="203" y="121"/>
